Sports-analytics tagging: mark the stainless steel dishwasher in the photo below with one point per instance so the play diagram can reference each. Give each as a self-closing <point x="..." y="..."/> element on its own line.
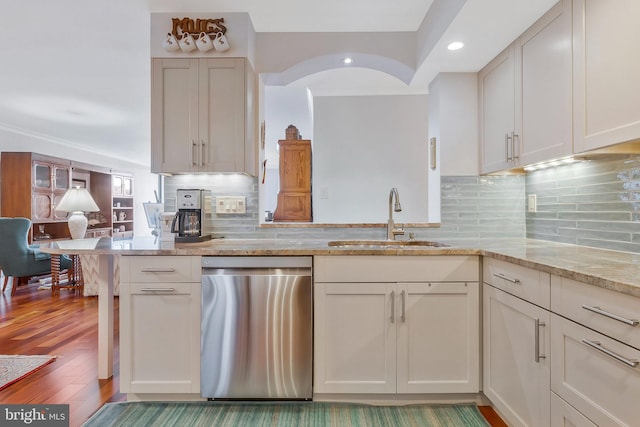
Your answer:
<point x="256" y="328"/>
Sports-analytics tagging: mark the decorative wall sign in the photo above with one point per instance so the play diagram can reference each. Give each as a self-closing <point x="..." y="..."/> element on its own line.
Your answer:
<point x="197" y="26"/>
<point x="204" y="34"/>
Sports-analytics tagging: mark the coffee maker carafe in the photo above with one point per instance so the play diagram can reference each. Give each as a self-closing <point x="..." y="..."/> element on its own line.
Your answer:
<point x="194" y="209"/>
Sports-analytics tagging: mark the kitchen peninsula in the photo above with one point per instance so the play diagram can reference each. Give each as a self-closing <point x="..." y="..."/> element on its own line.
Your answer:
<point x="554" y="277"/>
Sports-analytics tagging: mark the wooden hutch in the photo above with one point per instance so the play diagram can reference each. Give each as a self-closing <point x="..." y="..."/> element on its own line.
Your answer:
<point x="294" y="197"/>
<point x="31" y="185"/>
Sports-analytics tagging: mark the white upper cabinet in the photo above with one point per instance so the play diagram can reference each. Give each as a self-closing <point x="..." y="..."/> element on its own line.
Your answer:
<point x="202" y="116"/>
<point x="543" y="55"/>
<point x="606" y="87"/>
<point x="497" y="112"/>
<point x="525" y="96"/>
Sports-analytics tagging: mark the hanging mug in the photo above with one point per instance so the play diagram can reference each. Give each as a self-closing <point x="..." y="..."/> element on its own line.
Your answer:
<point x="221" y="43"/>
<point x="187" y="43"/>
<point x="204" y="42"/>
<point x="170" y="43"/>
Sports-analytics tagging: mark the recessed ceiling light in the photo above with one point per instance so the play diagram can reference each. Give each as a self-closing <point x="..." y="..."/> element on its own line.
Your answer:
<point x="348" y="60"/>
<point x="455" y="46"/>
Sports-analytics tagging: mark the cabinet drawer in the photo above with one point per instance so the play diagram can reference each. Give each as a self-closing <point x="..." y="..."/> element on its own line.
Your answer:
<point x="164" y="288"/>
<point x="563" y="414"/>
<point x="592" y="373"/>
<point x="526" y="283"/>
<point x="609" y="312"/>
<point x="378" y="269"/>
<point x="153" y="269"/>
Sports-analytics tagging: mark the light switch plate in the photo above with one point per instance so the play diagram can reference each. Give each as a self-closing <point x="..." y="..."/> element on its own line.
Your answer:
<point x="227" y="205"/>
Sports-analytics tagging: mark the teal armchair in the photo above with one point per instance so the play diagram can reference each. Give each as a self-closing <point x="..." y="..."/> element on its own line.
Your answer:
<point x="18" y="259"/>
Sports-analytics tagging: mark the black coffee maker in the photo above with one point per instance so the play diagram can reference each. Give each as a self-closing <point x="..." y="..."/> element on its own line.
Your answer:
<point x="194" y="209"/>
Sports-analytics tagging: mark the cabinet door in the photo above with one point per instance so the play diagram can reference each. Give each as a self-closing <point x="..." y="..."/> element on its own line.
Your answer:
<point x="606" y="91"/>
<point x="174" y="116"/>
<point x="597" y="375"/>
<point x="438" y="338"/>
<point x="42" y="175"/>
<point x="61" y="178"/>
<point x="543" y="82"/>
<point x="295" y="166"/>
<point x="41" y="207"/>
<point x="221" y="115"/>
<point x="355" y="338"/>
<point x="515" y="379"/>
<point x="160" y="345"/>
<point x="497" y="117"/>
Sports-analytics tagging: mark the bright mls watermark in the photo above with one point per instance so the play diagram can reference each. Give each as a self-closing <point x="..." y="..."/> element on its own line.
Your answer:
<point x="34" y="415"/>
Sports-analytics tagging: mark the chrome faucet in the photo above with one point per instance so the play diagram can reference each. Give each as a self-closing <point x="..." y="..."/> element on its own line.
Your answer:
<point x="392" y="232"/>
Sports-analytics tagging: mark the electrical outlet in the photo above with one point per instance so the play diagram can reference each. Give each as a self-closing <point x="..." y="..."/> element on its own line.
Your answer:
<point x="231" y="205"/>
<point x="532" y="203"/>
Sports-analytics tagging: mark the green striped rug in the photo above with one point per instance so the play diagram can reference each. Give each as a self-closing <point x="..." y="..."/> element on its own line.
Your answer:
<point x="270" y="414"/>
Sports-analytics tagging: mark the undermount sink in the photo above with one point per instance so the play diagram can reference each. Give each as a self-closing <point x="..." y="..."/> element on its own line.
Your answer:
<point x="386" y="243"/>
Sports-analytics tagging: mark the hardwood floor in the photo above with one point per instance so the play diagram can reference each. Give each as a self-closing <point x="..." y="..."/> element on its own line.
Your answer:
<point x="35" y="322"/>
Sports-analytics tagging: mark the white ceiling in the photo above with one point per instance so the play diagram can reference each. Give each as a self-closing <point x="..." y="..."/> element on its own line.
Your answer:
<point x="77" y="73"/>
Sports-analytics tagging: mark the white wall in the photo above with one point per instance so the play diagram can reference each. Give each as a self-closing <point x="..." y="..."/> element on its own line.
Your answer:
<point x="363" y="146"/>
<point x="284" y="106"/>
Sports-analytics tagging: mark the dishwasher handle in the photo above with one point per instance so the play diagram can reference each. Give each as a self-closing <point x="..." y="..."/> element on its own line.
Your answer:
<point x="291" y="271"/>
<point x="256" y="262"/>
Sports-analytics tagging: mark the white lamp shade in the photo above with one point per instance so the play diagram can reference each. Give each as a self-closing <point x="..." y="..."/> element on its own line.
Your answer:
<point x="77" y="201"/>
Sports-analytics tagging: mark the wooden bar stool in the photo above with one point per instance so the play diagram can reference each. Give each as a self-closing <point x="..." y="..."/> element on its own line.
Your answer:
<point x="75" y="281"/>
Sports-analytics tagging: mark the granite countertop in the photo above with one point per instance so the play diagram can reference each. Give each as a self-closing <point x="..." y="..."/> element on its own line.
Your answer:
<point x="619" y="271"/>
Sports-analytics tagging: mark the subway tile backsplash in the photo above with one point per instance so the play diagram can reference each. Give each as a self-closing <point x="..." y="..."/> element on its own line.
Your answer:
<point x="472" y="207"/>
<point x="592" y="203"/>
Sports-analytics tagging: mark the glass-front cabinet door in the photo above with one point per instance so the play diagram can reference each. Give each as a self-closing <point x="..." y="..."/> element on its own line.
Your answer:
<point x="47" y="176"/>
<point x="42" y="176"/>
<point x="62" y="178"/>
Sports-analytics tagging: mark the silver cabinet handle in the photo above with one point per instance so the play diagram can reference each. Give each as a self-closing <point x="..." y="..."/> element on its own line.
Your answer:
<point x="515" y="136"/>
<point x="203" y="157"/>
<point x="194" y="153"/>
<point x="598" y="346"/>
<point x="158" y="289"/>
<point x="508" y="279"/>
<point x="402" y="317"/>
<point x="538" y="356"/>
<point x="158" y="270"/>
<point x="393" y="307"/>
<point x="598" y="310"/>
<point x="506" y="147"/>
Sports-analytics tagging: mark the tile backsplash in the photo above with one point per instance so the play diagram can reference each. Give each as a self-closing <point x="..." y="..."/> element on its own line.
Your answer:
<point x="472" y="207"/>
<point x="591" y="203"/>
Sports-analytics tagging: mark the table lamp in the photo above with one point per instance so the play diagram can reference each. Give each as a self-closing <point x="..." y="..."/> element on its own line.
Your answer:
<point x="77" y="201"/>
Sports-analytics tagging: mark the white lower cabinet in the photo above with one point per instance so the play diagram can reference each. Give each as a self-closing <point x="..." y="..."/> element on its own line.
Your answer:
<point x="395" y="337"/>
<point x="438" y="337"/>
<point x="355" y="341"/>
<point x="160" y="325"/>
<point x="595" y="374"/>
<point x="516" y="368"/>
